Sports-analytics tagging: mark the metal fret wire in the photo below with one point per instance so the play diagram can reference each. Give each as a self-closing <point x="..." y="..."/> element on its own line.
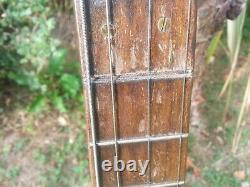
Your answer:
<point x="168" y="184"/>
<point x="184" y="91"/>
<point x="90" y="91"/>
<point x="135" y="77"/>
<point x="85" y="61"/>
<point x="149" y="88"/>
<point x="142" y="139"/>
<point x="113" y="94"/>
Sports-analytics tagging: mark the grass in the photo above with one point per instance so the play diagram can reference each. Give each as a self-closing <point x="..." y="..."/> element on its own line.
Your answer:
<point x="220" y="179"/>
<point x="10" y="174"/>
<point x="63" y="172"/>
<point x="63" y="161"/>
<point x="218" y="170"/>
<point x="213" y="107"/>
<point x="213" y="111"/>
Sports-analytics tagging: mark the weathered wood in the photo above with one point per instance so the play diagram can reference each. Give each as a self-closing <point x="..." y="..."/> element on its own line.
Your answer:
<point x="146" y="108"/>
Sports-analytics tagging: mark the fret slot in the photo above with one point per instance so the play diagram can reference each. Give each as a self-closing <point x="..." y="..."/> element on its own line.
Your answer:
<point x="142" y="140"/>
<point x="136" y="77"/>
<point x="167" y="184"/>
<point x="137" y="64"/>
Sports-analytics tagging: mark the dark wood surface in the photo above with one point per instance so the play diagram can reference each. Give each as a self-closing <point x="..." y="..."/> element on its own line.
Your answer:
<point x="171" y="49"/>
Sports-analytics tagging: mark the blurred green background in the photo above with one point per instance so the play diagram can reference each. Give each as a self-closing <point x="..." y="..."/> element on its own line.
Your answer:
<point x="41" y="105"/>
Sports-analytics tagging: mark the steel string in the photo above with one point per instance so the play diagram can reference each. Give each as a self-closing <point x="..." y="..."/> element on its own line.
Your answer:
<point x="184" y="92"/>
<point x="150" y="7"/>
<point x="113" y="93"/>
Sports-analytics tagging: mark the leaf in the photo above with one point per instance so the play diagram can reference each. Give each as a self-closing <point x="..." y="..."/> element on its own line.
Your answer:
<point x="234" y="32"/>
<point x="57" y="61"/>
<point x="70" y="84"/>
<point x="213" y="46"/>
<point x="25" y="78"/>
<point x="58" y="103"/>
<point x="50" y="23"/>
<point x="38" y="104"/>
<point x="234" y="38"/>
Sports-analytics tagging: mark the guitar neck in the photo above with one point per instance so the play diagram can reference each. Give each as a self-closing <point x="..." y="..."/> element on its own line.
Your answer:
<point x="137" y="63"/>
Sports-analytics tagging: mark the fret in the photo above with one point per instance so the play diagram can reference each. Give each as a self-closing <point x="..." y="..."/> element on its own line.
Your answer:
<point x="141" y="76"/>
<point x="141" y="140"/>
<point x="166" y="184"/>
<point x="137" y="59"/>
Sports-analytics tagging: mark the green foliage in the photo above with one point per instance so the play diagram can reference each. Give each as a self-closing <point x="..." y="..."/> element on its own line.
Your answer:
<point x="31" y="57"/>
<point x="213" y="106"/>
<point x="58" y="102"/>
<point x="213" y="46"/>
<point x="70" y="84"/>
<point x="220" y="179"/>
<point x="246" y="33"/>
<point x="64" y="172"/>
<point x="11" y="173"/>
<point x="26" y="42"/>
<point x="2" y="172"/>
<point x="37" y="104"/>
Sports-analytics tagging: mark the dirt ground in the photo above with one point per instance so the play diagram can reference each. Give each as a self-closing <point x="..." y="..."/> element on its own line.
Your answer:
<point x="211" y="162"/>
<point x="40" y="149"/>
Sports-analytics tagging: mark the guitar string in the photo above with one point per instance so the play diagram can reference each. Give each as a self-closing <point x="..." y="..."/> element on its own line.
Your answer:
<point x="113" y="93"/>
<point x="150" y="7"/>
<point x="89" y="86"/>
<point x="184" y="92"/>
<point x="85" y="61"/>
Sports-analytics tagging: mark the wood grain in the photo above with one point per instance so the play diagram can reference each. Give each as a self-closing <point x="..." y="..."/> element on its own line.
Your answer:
<point x="133" y="152"/>
<point x="161" y="46"/>
<point x="162" y="110"/>
<point x="103" y="106"/>
<point x="130" y="35"/>
<point x="132" y="109"/>
<point x="98" y="37"/>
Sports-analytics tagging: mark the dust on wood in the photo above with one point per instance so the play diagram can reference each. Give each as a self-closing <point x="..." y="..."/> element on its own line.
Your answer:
<point x="172" y="49"/>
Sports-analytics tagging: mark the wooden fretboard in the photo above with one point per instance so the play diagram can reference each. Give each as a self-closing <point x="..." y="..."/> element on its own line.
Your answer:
<point x="137" y="62"/>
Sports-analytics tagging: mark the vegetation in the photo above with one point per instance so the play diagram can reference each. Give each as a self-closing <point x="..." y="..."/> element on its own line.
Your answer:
<point x="31" y="57"/>
<point x="225" y="109"/>
<point x="40" y="82"/>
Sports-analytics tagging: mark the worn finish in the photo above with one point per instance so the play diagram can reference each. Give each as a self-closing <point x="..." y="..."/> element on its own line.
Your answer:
<point x="139" y="40"/>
